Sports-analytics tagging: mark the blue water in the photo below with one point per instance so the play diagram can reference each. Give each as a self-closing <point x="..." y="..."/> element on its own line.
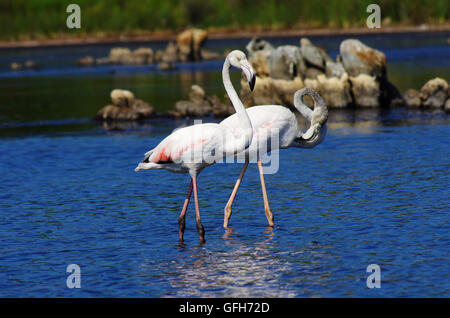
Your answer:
<point x="374" y="192"/>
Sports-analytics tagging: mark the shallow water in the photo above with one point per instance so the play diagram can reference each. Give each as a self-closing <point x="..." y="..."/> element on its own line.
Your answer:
<point x="374" y="192"/>
<point x="370" y="194"/>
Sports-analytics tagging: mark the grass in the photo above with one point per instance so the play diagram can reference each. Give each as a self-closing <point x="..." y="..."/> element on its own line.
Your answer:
<point x="37" y="19"/>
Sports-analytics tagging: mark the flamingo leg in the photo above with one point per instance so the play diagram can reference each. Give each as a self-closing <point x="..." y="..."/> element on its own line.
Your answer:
<point x="181" y="219"/>
<point x="227" y="209"/>
<point x="200" y="229"/>
<point x="267" y="210"/>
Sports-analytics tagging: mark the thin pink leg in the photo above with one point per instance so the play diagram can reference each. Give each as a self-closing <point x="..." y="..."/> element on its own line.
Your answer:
<point x="227" y="209"/>
<point x="267" y="210"/>
<point x="181" y="219"/>
<point x="200" y="229"/>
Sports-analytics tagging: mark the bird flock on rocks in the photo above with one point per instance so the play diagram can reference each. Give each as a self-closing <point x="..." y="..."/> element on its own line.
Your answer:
<point x="248" y="134"/>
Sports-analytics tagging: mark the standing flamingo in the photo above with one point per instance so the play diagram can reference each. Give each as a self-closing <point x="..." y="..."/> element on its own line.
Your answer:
<point x="270" y="118"/>
<point x="190" y="149"/>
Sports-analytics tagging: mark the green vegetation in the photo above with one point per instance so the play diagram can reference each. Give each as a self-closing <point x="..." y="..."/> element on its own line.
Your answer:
<point x="35" y="19"/>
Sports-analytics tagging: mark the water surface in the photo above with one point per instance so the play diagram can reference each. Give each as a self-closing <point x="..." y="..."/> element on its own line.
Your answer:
<point x="374" y="192"/>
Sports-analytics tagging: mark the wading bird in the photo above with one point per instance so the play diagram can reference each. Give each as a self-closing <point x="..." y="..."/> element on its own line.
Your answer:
<point x="190" y="149"/>
<point x="269" y="119"/>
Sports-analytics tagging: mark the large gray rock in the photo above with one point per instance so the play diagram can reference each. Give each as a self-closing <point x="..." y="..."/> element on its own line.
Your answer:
<point x="335" y="69"/>
<point x="259" y="52"/>
<point x="357" y="58"/>
<point x="434" y="93"/>
<point x="285" y="62"/>
<point x="257" y="44"/>
<point x="313" y="55"/>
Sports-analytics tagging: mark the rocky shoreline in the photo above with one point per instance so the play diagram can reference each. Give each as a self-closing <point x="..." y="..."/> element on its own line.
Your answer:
<point x="357" y="78"/>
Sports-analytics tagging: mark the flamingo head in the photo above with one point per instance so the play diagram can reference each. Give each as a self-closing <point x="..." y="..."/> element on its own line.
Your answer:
<point x="239" y="60"/>
<point x="318" y="118"/>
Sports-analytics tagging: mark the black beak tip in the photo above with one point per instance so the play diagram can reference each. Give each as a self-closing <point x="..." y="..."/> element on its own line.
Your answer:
<point x="252" y="83"/>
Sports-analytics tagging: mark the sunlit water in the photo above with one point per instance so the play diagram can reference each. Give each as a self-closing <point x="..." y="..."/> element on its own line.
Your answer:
<point x="376" y="191"/>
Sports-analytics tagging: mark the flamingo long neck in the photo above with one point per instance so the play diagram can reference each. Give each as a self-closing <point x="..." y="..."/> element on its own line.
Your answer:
<point x="244" y="138"/>
<point x="318" y="118"/>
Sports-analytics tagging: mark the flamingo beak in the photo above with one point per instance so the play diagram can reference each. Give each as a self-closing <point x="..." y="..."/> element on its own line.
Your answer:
<point x="250" y="73"/>
<point x="252" y="83"/>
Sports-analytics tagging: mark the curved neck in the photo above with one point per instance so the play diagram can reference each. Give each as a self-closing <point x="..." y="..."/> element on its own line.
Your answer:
<point x="244" y="138"/>
<point x="318" y="118"/>
<point x="237" y="104"/>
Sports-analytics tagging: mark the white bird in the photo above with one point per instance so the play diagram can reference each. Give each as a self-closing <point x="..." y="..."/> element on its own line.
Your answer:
<point x="268" y="120"/>
<point x="190" y="149"/>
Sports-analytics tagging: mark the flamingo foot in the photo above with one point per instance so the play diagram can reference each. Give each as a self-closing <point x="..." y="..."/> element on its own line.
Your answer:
<point x="201" y="232"/>
<point x="227" y="216"/>
<point x="270" y="218"/>
<point x="181" y="227"/>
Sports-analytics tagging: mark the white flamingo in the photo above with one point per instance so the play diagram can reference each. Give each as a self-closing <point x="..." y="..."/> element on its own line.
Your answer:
<point x="190" y="149"/>
<point x="268" y="119"/>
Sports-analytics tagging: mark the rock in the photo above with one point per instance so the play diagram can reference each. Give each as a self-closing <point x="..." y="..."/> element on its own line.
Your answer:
<point x="188" y="109"/>
<point x="102" y="61"/>
<point x="412" y="98"/>
<point x="189" y="43"/>
<point x="143" y="56"/>
<point x="122" y="98"/>
<point x="125" y="107"/>
<point x="260" y="62"/>
<point x="170" y="55"/>
<point x="259" y="52"/>
<point x="313" y="55"/>
<point x="365" y="90"/>
<point x="312" y="73"/>
<point x="334" y="90"/>
<point x="30" y="64"/>
<point x="269" y="91"/>
<point x="166" y="66"/>
<point x="390" y="95"/>
<point x="334" y="69"/>
<point x="143" y="109"/>
<point x="15" y="66"/>
<point x="434" y="93"/>
<point x="119" y="55"/>
<point x="358" y="58"/>
<point x="257" y="44"/>
<point x="86" y="61"/>
<point x="197" y="94"/>
<point x="447" y="106"/>
<point x="285" y="62"/>
<point x="199" y="104"/>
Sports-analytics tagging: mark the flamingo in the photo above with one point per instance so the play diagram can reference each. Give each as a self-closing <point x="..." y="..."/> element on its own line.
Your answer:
<point x="268" y="117"/>
<point x="191" y="149"/>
